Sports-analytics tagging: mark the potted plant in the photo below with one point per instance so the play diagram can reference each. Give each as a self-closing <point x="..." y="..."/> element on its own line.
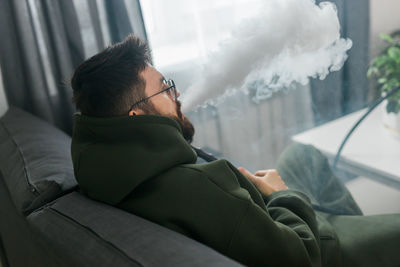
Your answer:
<point x="385" y="68"/>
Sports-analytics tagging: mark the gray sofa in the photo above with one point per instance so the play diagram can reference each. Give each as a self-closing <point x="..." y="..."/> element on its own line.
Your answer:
<point x="45" y="221"/>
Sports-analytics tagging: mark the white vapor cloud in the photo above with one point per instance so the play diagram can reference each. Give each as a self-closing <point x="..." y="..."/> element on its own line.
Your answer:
<point x="288" y="42"/>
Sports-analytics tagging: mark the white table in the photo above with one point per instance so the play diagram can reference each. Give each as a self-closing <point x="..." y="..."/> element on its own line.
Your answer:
<point x="371" y="151"/>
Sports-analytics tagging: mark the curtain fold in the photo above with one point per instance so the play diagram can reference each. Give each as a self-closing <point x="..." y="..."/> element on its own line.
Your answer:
<point x="45" y="40"/>
<point x="346" y="91"/>
<point x="3" y="100"/>
<point x="125" y="17"/>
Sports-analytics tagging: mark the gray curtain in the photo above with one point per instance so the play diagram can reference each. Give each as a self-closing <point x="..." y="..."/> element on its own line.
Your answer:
<point x="345" y="91"/>
<point x="43" y="41"/>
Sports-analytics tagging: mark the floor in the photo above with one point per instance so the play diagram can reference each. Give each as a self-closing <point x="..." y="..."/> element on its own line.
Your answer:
<point x="374" y="197"/>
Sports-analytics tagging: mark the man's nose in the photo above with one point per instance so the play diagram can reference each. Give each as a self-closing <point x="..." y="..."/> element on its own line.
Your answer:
<point x="178" y="94"/>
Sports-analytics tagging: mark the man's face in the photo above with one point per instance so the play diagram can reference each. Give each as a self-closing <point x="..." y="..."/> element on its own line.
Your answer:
<point x="163" y="104"/>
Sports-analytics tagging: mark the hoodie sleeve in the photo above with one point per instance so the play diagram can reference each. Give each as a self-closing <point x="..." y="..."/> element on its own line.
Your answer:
<point x="283" y="232"/>
<point x="284" y="235"/>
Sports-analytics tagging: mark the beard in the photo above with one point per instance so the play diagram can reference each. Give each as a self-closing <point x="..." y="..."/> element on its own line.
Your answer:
<point x="185" y="124"/>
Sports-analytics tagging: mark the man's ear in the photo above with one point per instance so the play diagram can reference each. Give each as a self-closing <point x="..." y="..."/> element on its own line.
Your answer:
<point x="134" y="112"/>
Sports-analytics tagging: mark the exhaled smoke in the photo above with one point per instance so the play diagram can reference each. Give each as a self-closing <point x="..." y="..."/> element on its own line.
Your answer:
<point x="288" y="42"/>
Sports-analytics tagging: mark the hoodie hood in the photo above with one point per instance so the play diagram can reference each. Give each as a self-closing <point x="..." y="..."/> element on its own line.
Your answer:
<point x="112" y="156"/>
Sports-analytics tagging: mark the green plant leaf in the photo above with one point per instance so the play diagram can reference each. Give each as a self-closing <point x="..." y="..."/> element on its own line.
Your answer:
<point x="387" y="38"/>
<point x="385" y="68"/>
<point x="382" y="80"/>
<point x="381" y="60"/>
<point x="395" y="82"/>
<point x="385" y="87"/>
<point x="394" y="53"/>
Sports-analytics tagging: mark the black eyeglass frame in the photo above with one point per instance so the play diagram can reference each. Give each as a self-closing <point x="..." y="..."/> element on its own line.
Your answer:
<point x="169" y="82"/>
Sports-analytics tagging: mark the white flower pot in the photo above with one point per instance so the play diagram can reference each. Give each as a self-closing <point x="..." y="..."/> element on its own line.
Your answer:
<point x="391" y="122"/>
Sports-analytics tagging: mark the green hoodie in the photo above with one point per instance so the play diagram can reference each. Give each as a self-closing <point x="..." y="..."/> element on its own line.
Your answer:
<point x="143" y="165"/>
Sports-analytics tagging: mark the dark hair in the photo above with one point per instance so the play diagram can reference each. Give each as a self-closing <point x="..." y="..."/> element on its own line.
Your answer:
<point x="108" y="83"/>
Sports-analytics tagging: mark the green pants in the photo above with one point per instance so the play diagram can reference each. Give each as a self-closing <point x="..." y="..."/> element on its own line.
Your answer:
<point x="364" y="240"/>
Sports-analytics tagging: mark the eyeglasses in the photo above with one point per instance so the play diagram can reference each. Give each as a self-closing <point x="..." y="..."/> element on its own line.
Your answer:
<point x="171" y="90"/>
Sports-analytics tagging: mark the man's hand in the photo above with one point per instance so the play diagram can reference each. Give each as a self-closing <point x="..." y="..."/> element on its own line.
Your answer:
<point x="267" y="181"/>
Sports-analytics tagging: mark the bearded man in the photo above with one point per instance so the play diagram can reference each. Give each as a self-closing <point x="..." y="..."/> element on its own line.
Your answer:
<point x="131" y="149"/>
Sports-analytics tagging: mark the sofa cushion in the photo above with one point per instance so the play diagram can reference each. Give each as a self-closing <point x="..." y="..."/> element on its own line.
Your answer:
<point x="35" y="160"/>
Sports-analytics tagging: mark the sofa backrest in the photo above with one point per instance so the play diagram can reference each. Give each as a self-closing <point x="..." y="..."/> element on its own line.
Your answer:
<point x="84" y="232"/>
<point x="35" y="160"/>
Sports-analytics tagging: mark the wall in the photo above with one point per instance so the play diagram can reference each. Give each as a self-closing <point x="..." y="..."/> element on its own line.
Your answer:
<point x="384" y="16"/>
